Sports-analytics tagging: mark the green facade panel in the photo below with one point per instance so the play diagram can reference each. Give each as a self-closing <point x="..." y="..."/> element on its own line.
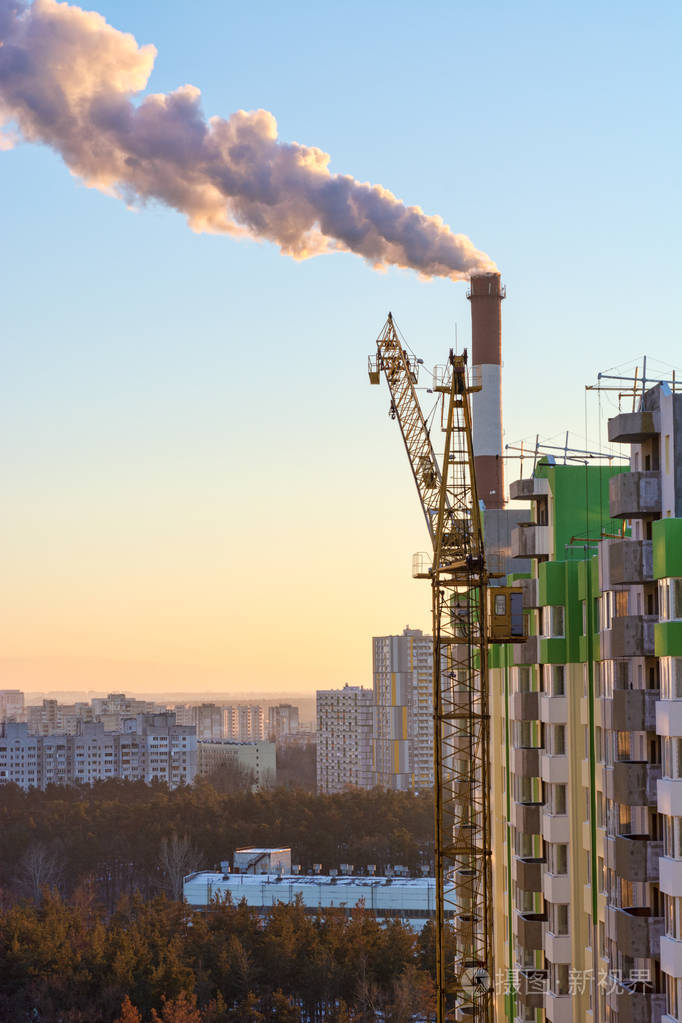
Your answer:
<point x="552" y="583"/>
<point x="668" y="639"/>
<point x="667" y="537"/>
<point x="581" y="500"/>
<point x="553" y="651"/>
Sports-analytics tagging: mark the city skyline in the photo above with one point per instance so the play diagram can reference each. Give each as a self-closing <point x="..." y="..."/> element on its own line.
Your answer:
<point x="200" y="484"/>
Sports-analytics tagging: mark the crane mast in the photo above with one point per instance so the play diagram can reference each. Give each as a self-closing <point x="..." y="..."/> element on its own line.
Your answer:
<point x="460" y="672"/>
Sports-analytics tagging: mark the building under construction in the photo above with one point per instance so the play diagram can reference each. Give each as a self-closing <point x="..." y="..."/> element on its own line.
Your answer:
<point x="584" y="804"/>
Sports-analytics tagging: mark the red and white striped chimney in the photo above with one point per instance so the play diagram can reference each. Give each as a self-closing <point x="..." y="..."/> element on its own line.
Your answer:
<point x="485" y="295"/>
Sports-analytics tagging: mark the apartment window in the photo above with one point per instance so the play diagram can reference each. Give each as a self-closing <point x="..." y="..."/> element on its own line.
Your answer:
<point x="583" y="610"/>
<point x="671" y="678"/>
<point x="672" y="757"/>
<point x="672" y="837"/>
<point x="557" y="858"/>
<point x="557" y="799"/>
<point x="559" y="978"/>
<point x="558" y="918"/>
<point x="673" y="916"/>
<point x="557" y="740"/>
<point x="670" y="599"/>
<point x="621" y="603"/>
<point x="555" y="679"/>
<point x="553" y="621"/>
<point x="673" y="996"/>
<point x="524" y="679"/>
<point x="622" y="746"/>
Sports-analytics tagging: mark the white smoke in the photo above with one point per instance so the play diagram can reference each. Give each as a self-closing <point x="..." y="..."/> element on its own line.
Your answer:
<point x="68" y="79"/>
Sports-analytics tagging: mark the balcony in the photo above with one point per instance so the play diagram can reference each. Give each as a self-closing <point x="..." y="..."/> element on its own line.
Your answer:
<point x="637" y="932"/>
<point x="529" y="588"/>
<point x="630" y="636"/>
<point x="529" y="928"/>
<point x="525" y="706"/>
<point x="526" y="761"/>
<point x="637" y="857"/>
<point x="632" y="428"/>
<point x="634" y="710"/>
<point x="636" y="1006"/>
<point x="630" y="562"/>
<point x="529" y="489"/>
<point x="526" y="817"/>
<point x="526" y="652"/>
<point x="634" y="782"/>
<point x="635" y="495"/>
<point x="529" y="874"/>
<point x="529" y="540"/>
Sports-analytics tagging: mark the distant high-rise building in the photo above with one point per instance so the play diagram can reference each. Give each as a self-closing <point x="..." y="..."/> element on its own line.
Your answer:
<point x="209" y="721"/>
<point x="403" y="710"/>
<point x="242" y="722"/>
<point x="344" y="737"/>
<point x="282" y="720"/>
<point x="11" y="705"/>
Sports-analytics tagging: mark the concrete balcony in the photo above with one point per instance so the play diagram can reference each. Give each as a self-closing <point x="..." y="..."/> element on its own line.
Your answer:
<point x="554" y="769"/>
<point x="670" y="873"/>
<point x="671" y="956"/>
<point x="637" y="857"/>
<point x="634" y="710"/>
<point x="554" y="709"/>
<point x="636" y="1006"/>
<point x="629" y="562"/>
<point x="529" y="540"/>
<point x="669" y="717"/>
<point x="556" y="888"/>
<point x="556" y="827"/>
<point x="529" y="489"/>
<point x="558" y="947"/>
<point x="526" y="817"/>
<point x="637" y="932"/>
<point x="530" y="592"/>
<point x="526" y="761"/>
<point x="635" y="495"/>
<point x="634" y="782"/>
<point x="558" y="1008"/>
<point x="526" y="652"/>
<point x="529" y="874"/>
<point x="630" y="636"/>
<point x="524" y="706"/>
<point x="632" y="427"/>
<point x="528" y="928"/>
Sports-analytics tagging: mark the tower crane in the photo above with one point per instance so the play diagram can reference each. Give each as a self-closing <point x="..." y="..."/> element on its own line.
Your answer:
<point x="461" y="735"/>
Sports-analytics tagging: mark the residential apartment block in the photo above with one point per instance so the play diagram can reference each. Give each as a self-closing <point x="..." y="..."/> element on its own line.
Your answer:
<point x="587" y="791"/>
<point x="11" y="705"/>
<point x="402" y="740"/>
<point x="150" y="746"/>
<point x="283" y="721"/>
<point x="344" y="738"/>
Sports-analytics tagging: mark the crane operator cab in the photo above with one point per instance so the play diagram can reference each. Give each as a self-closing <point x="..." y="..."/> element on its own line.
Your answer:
<point x="506" y="620"/>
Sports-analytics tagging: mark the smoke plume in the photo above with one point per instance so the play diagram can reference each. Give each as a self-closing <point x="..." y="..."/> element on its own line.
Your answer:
<point x="69" y="80"/>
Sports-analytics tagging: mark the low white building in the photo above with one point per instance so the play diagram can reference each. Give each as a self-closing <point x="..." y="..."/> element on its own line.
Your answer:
<point x="259" y="759"/>
<point x="410" y="899"/>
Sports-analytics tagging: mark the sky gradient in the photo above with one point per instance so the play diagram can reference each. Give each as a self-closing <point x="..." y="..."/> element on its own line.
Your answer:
<point x="200" y="487"/>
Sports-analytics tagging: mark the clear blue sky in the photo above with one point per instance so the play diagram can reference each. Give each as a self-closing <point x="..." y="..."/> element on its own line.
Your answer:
<point x="196" y="472"/>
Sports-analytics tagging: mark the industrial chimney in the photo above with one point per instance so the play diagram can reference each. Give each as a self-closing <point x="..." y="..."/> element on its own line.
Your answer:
<point x="485" y="295"/>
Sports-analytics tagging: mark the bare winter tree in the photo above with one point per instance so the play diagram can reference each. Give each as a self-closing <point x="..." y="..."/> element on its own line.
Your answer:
<point x="40" y="867"/>
<point x="177" y="857"/>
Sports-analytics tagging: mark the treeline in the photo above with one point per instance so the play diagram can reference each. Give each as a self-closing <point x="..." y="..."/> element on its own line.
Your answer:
<point x="127" y="837"/>
<point x="156" y="962"/>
